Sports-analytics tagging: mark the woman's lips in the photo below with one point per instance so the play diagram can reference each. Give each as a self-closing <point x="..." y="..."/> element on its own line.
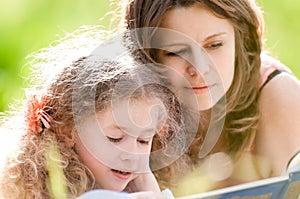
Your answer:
<point x="123" y="175"/>
<point x="200" y="89"/>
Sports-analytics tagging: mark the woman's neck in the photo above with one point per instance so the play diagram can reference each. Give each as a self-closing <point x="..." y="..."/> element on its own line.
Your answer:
<point x="205" y="129"/>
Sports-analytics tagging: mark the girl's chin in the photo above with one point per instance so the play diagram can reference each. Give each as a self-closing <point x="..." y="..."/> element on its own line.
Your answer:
<point x="111" y="188"/>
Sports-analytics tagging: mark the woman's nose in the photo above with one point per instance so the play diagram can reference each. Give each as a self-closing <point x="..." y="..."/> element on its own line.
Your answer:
<point x="200" y="62"/>
<point x="191" y="70"/>
<point x="198" y="68"/>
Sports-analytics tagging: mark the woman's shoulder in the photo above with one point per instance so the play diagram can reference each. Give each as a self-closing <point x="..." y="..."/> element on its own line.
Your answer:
<point x="282" y="91"/>
<point x="270" y="67"/>
<point x="281" y="94"/>
<point x="279" y="130"/>
<point x="284" y="84"/>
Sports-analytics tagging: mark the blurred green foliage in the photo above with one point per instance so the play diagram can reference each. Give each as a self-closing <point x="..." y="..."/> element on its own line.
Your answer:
<point x="282" y="30"/>
<point x="28" y="25"/>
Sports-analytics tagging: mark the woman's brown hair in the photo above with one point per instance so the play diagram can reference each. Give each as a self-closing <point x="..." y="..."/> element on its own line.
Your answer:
<point x="242" y="108"/>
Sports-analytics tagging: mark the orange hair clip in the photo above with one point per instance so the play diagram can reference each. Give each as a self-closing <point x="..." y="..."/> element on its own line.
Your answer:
<point x="36" y="117"/>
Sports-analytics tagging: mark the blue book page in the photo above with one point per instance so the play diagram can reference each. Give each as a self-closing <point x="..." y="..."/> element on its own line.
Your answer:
<point x="271" y="188"/>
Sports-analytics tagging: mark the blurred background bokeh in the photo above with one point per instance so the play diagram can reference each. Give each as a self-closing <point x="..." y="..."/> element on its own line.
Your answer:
<point x="28" y="25"/>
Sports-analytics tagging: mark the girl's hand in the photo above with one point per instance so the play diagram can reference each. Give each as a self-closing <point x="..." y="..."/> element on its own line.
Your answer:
<point x="143" y="183"/>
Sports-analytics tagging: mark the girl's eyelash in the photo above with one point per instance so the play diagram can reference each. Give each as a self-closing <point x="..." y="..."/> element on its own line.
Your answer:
<point x="114" y="140"/>
<point x="146" y="142"/>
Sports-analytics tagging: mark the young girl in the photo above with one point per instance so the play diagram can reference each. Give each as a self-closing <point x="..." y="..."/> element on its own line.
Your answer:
<point x="99" y="118"/>
<point x="216" y="46"/>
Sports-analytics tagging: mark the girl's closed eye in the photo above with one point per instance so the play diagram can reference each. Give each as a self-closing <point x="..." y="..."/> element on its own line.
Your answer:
<point x="144" y="141"/>
<point x="114" y="139"/>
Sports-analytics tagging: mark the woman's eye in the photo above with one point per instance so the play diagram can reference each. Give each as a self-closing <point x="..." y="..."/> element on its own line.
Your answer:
<point x="215" y="45"/>
<point x="175" y="53"/>
<point x="114" y="140"/>
<point x="145" y="142"/>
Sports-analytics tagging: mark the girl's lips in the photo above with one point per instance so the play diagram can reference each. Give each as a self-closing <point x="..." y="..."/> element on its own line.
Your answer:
<point x="123" y="175"/>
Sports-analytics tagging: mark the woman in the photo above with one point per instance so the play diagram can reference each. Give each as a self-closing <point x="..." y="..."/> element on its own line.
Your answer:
<point x="257" y="94"/>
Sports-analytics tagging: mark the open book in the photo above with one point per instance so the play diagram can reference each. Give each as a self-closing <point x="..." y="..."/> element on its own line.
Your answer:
<point x="283" y="187"/>
<point x="286" y="186"/>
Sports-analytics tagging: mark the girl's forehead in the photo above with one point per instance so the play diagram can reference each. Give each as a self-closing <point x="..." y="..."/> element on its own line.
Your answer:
<point x="141" y="116"/>
<point x="140" y="111"/>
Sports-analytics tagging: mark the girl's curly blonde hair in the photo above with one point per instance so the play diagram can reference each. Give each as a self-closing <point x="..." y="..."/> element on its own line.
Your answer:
<point x="76" y="91"/>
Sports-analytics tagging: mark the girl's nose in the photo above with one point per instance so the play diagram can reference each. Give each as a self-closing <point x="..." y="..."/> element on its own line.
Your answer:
<point x="125" y="155"/>
<point x="129" y="150"/>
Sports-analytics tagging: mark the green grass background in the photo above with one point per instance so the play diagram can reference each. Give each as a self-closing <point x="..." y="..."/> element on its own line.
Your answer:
<point x="28" y="25"/>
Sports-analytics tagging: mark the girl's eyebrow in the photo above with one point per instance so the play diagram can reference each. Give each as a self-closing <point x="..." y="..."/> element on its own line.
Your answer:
<point x="147" y="131"/>
<point x="115" y="127"/>
<point x="111" y="127"/>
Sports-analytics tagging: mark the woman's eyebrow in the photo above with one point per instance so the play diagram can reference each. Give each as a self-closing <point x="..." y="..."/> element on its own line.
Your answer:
<point x="214" y="35"/>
